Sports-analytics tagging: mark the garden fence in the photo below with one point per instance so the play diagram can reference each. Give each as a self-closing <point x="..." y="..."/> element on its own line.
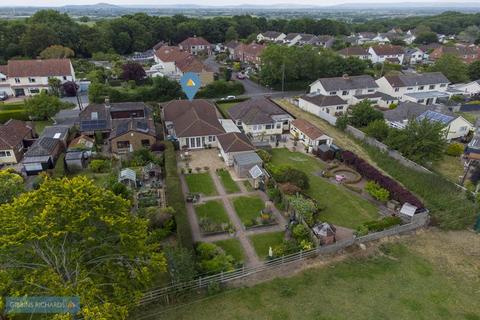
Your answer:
<point x="166" y="294"/>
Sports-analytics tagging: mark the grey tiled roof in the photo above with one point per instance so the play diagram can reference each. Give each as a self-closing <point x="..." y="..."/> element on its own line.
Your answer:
<point x="324" y="101"/>
<point x="417" y="79"/>
<point x="256" y="111"/>
<point x="406" y="111"/>
<point x="348" y="83"/>
<point x="42" y="147"/>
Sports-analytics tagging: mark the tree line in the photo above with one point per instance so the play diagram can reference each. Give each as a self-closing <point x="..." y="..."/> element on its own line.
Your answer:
<point x="139" y="32"/>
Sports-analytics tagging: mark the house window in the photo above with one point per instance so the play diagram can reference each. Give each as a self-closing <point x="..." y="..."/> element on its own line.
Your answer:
<point x="443" y="85"/>
<point x="268" y="126"/>
<point x="340" y="108"/>
<point x="145" y="143"/>
<point x="123" y="144"/>
<point x="210" y="139"/>
<point x="421" y="101"/>
<point x="332" y="93"/>
<point x="409" y="89"/>
<point x="36" y="90"/>
<point x="31" y="80"/>
<point x="65" y="78"/>
<point x="397" y="89"/>
<point x="431" y="87"/>
<point x="94" y="116"/>
<point x="371" y="90"/>
<point x="17" y="80"/>
<point x="279" y="125"/>
<point x="4" y="154"/>
<point x="463" y="129"/>
<point x="344" y="93"/>
<point x="421" y="87"/>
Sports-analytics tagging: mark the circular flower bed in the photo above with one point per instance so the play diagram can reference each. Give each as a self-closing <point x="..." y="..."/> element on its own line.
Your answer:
<point x="351" y="176"/>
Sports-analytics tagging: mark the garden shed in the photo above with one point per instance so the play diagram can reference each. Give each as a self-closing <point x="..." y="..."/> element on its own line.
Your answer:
<point x="243" y="162"/>
<point x="128" y="176"/>
<point x="76" y="160"/>
<point x="325" y="153"/>
<point x="325" y="232"/>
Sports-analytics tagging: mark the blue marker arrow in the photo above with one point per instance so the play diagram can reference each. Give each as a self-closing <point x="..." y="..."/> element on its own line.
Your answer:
<point x="190" y="84"/>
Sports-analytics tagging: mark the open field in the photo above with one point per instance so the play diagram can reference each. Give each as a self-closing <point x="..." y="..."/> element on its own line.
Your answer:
<point x="432" y="275"/>
<point x="201" y="183"/>
<point x="342" y="207"/>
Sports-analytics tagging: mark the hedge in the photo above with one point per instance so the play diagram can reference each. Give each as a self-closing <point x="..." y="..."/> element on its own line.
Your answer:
<point x="175" y="197"/>
<point x="397" y="192"/>
<point x="18" y="114"/>
<point x="377" y="225"/>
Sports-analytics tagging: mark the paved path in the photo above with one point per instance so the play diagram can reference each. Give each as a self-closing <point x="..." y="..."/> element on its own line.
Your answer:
<point x="192" y="216"/>
<point x="251" y="257"/>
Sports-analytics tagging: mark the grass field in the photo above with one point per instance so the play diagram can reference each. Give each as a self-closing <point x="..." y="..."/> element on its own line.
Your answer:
<point x="201" y="183"/>
<point x="263" y="241"/>
<point x="450" y="167"/>
<point x="430" y="276"/>
<point x="212" y="210"/>
<point x="232" y="247"/>
<point x="248" y="208"/>
<point x="342" y="207"/>
<point x="227" y="181"/>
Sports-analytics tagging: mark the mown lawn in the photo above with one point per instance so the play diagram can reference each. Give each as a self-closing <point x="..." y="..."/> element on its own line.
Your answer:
<point x="232" y="247"/>
<point x="225" y="106"/>
<point x="213" y="210"/>
<point x="227" y="181"/>
<point x="12" y="110"/>
<point x="342" y="207"/>
<point x="248" y="208"/>
<point x="399" y="283"/>
<point x="263" y="241"/>
<point x="201" y="183"/>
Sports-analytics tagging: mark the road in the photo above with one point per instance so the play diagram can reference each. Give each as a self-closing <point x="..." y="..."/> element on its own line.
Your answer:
<point x="252" y="89"/>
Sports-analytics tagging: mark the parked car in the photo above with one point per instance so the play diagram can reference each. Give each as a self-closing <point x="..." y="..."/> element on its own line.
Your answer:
<point x="228" y="98"/>
<point x="3" y="96"/>
<point x="240" y="75"/>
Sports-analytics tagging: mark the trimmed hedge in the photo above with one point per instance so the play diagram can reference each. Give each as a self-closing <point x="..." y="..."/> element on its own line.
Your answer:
<point x="18" y="114"/>
<point x="175" y="197"/>
<point x="397" y="192"/>
<point x="377" y="225"/>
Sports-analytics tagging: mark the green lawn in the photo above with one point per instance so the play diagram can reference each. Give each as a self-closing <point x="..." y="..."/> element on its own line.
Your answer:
<point x="248" y="185"/>
<point x="227" y="181"/>
<point x="232" y="247"/>
<point x="12" y="110"/>
<point x="400" y="284"/>
<point x="225" y="106"/>
<point x="342" y="207"/>
<point x="248" y="208"/>
<point x="213" y="210"/>
<point x="263" y="241"/>
<point x="40" y="125"/>
<point x="201" y="183"/>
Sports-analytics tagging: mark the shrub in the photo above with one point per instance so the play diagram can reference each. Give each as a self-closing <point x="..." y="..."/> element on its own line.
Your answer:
<point x="392" y="106"/>
<point x="264" y="155"/>
<point x="377" y="129"/>
<point x="342" y="122"/>
<point x="213" y="259"/>
<point x="274" y="194"/>
<point x="285" y="248"/>
<point x="99" y="166"/>
<point x="300" y="232"/>
<point x="379" y="193"/>
<point x="455" y="149"/>
<point x="377" y="225"/>
<point x="285" y="174"/>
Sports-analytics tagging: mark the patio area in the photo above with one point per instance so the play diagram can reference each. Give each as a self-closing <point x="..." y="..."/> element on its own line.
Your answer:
<point x="200" y="159"/>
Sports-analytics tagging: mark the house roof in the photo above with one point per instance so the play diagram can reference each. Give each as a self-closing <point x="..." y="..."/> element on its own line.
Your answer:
<point x="435" y="116"/>
<point x="194" y="41"/>
<point x="306" y="37"/>
<point x="271" y="34"/>
<point x="324" y="38"/>
<point x="388" y="50"/>
<point x="367" y="35"/>
<point x="235" y="142"/>
<point x="12" y="133"/>
<point x="324" y="101"/>
<point x="244" y="159"/>
<point x="257" y="110"/>
<point x="307" y="128"/>
<point x="191" y="64"/>
<point x="347" y="83"/>
<point x="4" y="69"/>
<point x="56" y="132"/>
<point x="39" y="68"/>
<point x="232" y="44"/>
<point x="291" y="36"/>
<point x="170" y="54"/>
<point x="253" y="49"/>
<point x="381" y="95"/>
<point x="406" y="111"/>
<point x="353" y="51"/>
<point x="122" y="127"/>
<point x="193" y="118"/>
<point x="417" y="79"/>
<point x="44" y="146"/>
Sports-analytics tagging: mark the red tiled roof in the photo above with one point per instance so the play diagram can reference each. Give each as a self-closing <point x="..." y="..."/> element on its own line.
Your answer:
<point x="39" y="68"/>
<point x="307" y="128"/>
<point x="171" y="54"/>
<point x="194" y="41"/>
<point x="191" y="64"/>
<point x="353" y="51"/>
<point x="388" y="50"/>
<point x="12" y="133"/>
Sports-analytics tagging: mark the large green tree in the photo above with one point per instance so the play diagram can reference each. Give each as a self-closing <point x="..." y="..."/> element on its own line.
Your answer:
<point x="474" y="70"/>
<point x="452" y="67"/>
<point x="11" y="185"/>
<point x="72" y="238"/>
<point x="363" y="113"/>
<point x="43" y="106"/>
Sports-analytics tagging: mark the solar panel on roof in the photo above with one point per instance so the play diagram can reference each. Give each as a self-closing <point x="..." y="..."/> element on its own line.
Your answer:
<point x="435" y="116"/>
<point x="92" y="125"/>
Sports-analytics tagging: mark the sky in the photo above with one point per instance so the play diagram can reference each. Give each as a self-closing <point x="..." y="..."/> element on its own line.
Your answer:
<point x="210" y="2"/>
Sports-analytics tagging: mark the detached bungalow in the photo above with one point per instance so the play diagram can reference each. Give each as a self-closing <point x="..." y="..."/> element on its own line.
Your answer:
<point x="345" y="87"/>
<point x="455" y="126"/>
<point x="194" y="124"/>
<point x="308" y="134"/>
<point x="233" y="143"/>
<point x="319" y="103"/>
